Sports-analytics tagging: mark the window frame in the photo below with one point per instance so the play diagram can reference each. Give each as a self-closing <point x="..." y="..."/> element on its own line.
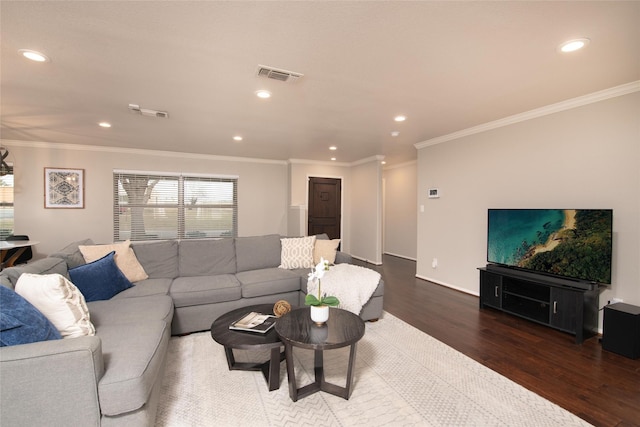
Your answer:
<point x="8" y="204"/>
<point x="182" y="182"/>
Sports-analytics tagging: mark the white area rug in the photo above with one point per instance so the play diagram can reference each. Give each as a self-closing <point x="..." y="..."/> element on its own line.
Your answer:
<point x="403" y="378"/>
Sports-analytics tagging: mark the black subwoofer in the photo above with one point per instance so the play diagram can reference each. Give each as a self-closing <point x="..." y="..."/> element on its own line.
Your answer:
<point x="621" y="329"/>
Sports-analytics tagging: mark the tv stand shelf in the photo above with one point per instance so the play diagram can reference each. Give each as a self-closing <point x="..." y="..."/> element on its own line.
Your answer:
<point x="561" y="304"/>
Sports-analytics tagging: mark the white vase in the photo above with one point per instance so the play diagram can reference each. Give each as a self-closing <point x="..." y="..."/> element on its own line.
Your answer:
<point x="320" y="314"/>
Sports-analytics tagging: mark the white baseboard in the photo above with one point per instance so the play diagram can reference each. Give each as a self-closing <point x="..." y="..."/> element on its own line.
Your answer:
<point x="400" y="256"/>
<point x="448" y="285"/>
<point x="366" y="260"/>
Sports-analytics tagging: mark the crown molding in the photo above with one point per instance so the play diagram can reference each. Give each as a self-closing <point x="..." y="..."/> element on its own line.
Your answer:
<point x="317" y="162"/>
<point x="121" y="150"/>
<point x="569" y="104"/>
<point x="177" y="154"/>
<point x="376" y="158"/>
<point x="401" y="165"/>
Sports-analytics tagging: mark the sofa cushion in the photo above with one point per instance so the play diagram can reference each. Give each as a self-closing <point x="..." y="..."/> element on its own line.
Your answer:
<point x="133" y="357"/>
<point x="146" y="288"/>
<point x="4" y="281"/>
<point x="268" y="281"/>
<point x="125" y="258"/>
<point x="59" y="300"/>
<point x="71" y="253"/>
<point x="297" y="252"/>
<point x="21" y="322"/>
<point x="131" y="310"/>
<point x="42" y="266"/>
<point x="99" y="280"/>
<point x="326" y="249"/>
<point x="159" y="259"/>
<point x="206" y="257"/>
<point x="188" y="291"/>
<point x="256" y="252"/>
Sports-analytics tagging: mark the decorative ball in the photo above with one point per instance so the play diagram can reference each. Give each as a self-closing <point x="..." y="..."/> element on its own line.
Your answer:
<point x="281" y="308"/>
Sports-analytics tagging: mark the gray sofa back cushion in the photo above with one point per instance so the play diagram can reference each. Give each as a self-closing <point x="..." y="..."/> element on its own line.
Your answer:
<point x="159" y="259"/>
<point x="254" y="253"/>
<point x="206" y="257"/>
<point x="42" y="266"/>
<point x="71" y="253"/>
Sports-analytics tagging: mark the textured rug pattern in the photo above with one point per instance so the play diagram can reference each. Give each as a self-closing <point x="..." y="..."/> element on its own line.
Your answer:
<point x="403" y="378"/>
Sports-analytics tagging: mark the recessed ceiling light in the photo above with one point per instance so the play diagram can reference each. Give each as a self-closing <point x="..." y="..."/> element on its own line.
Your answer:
<point x="395" y="133"/>
<point x="264" y="94"/>
<point x="33" y="55"/>
<point x="104" y="124"/>
<point x="400" y="118"/>
<point x="573" y="45"/>
<point x="333" y="148"/>
<point x="383" y="162"/>
<point x="333" y="159"/>
<point x="237" y="138"/>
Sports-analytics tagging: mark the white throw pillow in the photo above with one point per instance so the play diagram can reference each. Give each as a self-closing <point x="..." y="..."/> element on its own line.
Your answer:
<point x="59" y="300"/>
<point x="297" y="252"/>
<point x="125" y="258"/>
<point x="325" y="249"/>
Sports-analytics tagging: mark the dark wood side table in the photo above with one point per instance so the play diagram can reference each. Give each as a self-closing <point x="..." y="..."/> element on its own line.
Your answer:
<point x="241" y="340"/>
<point x="296" y="329"/>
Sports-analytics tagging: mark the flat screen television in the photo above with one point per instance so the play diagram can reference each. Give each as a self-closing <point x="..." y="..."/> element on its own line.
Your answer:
<point x="569" y="243"/>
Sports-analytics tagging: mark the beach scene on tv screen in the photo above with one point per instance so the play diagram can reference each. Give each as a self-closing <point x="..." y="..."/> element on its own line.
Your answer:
<point x="574" y="243"/>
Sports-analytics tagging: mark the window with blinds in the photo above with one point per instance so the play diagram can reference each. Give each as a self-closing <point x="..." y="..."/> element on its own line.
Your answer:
<point x="160" y="206"/>
<point x="6" y="201"/>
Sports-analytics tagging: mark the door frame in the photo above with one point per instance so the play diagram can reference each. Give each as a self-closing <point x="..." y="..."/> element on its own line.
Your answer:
<point x="342" y="191"/>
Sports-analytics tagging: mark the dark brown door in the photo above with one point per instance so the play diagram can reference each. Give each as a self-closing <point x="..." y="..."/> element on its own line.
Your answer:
<point x="325" y="209"/>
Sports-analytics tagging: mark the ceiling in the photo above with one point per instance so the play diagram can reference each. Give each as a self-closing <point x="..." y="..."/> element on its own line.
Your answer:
<point x="447" y="66"/>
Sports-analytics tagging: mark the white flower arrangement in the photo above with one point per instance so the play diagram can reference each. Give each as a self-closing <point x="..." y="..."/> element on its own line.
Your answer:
<point x="316" y="274"/>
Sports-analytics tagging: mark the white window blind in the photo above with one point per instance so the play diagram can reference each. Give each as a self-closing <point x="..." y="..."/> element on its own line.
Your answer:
<point x="6" y="201"/>
<point x="159" y="206"/>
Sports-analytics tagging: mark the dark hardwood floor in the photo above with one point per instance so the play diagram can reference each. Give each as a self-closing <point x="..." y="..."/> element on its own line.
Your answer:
<point x="600" y="387"/>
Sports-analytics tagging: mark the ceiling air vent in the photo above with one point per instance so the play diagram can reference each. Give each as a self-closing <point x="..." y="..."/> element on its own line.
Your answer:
<point x="149" y="113"/>
<point x="277" y="74"/>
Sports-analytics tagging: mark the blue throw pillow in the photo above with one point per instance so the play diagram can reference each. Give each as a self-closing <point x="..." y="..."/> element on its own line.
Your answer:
<point x="100" y="279"/>
<point x="22" y="323"/>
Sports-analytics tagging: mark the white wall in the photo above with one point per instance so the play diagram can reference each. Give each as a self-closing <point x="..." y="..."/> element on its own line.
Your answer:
<point x="400" y="210"/>
<point x="299" y="173"/>
<point x="585" y="157"/>
<point x="366" y="213"/>
<point x="269" y="192"/>
<point x="262" y="190"/>
<point x="361" y="201"/>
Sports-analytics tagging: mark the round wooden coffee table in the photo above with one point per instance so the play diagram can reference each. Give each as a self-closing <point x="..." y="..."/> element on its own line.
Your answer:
<point x="242" y="340"/>
<point x="296" y="329"/>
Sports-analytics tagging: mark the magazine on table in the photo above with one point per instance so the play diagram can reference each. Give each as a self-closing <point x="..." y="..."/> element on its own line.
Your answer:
<point x="254" y="322"/>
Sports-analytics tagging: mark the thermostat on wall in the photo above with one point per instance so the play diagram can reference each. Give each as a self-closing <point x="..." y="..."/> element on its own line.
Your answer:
<point x="434" y="193"/>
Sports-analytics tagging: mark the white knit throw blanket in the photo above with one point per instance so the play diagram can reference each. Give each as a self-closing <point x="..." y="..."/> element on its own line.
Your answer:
<point x="351" y="284"/>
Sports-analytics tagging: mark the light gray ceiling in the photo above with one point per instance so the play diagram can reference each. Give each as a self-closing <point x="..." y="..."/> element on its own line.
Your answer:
<point x="447" y="66"/>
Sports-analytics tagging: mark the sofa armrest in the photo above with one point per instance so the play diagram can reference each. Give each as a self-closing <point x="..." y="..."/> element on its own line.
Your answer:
<point x="343" y="258"/>
<point x="51" y="382"/>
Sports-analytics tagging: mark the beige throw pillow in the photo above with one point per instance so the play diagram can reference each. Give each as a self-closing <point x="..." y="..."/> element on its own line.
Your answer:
<point x="325" y="249"/>
<point x="125" y="258"/>
<point x="59" y="300"/>
<point x="297" y="252"/>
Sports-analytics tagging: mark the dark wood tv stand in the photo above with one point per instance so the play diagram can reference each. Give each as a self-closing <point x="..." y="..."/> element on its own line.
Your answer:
<point x="561" y="304"/>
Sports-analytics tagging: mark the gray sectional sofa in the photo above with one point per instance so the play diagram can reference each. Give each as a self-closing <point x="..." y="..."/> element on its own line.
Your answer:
<point x="114" y="377"/>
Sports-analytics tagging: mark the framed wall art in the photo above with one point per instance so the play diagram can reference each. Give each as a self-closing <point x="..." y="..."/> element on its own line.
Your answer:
<point x="63" y="188"/>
